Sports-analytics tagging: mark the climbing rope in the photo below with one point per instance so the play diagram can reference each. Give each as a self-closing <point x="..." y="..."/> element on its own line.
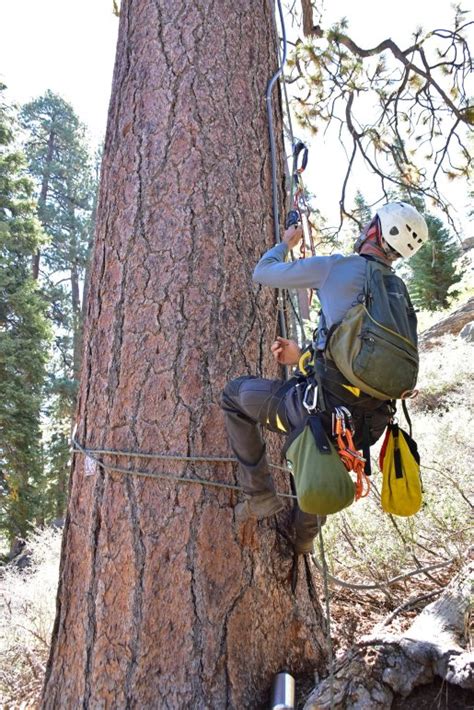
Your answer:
<point x="276" y="211"/>
<point x="271" y="84"/>
<point x="276" y="226"/>
<point x="93" y="453"/>
<point x="297" y="193"/>
<point x="328" y="618"/>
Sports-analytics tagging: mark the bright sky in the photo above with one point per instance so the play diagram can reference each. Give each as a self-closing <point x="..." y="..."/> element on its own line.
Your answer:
<point x="68" y="46"/>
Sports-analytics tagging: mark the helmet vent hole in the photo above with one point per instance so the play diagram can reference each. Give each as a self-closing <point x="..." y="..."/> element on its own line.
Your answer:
<point x="394" y="231"/>
<point x="408" y="227"/>
<point x="410" y="246"/>
<point x="415" y="234"/>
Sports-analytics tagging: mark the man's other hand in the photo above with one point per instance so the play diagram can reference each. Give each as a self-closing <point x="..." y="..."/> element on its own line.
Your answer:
<point x="293" y="235"/>
<point x="286" y="352"/>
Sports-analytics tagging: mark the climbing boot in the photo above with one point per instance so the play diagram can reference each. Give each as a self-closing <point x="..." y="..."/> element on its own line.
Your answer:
<point x="259" y="505"/>
<point x="304" y="547"/>
<point x="306" y="528"/>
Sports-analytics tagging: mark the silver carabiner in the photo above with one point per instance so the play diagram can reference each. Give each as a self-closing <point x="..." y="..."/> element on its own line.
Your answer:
<point x="348" y="417"/>
<point x="310" y="404"/>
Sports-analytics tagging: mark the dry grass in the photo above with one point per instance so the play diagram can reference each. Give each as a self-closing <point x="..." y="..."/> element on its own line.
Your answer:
<point x="27" y="608"/>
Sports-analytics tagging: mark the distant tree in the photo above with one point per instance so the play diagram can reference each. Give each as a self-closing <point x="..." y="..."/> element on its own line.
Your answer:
<point x="362" y="209"/>
<point x="434" y="268"/>
<point x="24" y="335"/>
<point x="361" y="213"/>
<point x="61" y="163"/>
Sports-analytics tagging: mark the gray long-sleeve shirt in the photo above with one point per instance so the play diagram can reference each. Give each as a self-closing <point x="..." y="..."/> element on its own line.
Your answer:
<point x="337" y="279"/>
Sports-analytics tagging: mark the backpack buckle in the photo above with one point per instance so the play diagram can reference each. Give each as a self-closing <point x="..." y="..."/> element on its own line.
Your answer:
<point x="310" y="398"/>
<point x="409" y="394"/>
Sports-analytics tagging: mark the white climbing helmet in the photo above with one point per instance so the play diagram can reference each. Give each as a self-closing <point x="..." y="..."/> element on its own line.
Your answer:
<point x="403" y="227"/>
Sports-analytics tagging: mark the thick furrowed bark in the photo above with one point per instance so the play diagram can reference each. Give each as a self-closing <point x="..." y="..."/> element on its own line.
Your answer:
<point x="163" y="601"/>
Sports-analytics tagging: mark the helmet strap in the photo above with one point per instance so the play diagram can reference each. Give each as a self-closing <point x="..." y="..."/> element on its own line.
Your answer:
<point x="369" y="232"/>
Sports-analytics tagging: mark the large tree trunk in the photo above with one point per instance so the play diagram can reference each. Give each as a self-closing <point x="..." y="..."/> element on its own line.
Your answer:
<point x="163" y="601"/>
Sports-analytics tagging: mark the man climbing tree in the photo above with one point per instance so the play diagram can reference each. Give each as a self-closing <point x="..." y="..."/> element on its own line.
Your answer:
<point x="397" y="230"/>
<point x="163" y="601"/>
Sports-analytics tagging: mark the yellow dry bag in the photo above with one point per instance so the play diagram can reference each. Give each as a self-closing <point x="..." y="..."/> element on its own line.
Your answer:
<point x="400" y="465"/>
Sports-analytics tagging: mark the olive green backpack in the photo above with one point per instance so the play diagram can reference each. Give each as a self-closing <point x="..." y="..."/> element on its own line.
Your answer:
<point x="375" y="345"/>
<point x="323" y="485"/>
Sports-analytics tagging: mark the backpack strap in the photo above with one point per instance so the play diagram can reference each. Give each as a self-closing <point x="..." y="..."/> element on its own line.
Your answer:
<point x="407" y="416"/>
<point x="366" y="443"/>
<point x="317" y="430"/>
<point x="397" y="457"/>
<point x="320" y="436"/>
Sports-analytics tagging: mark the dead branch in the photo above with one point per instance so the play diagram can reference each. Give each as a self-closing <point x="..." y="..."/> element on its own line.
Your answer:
<point x="422" y="107"/>
<point x="382" y="665"/>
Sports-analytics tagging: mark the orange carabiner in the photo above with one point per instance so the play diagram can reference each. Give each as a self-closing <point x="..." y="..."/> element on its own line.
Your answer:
<point x="352" y="459"/>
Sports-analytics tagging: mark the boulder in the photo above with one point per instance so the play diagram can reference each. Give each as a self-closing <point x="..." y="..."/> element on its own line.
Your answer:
<point x="468" y="244"/>
<point x="451" y="325"/>
<point x="468" y="332"/>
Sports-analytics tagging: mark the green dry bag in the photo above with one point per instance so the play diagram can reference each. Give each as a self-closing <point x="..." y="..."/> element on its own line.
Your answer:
<point x="323" y="485"/>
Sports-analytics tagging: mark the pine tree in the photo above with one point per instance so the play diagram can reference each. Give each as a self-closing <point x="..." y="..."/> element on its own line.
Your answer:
<point x="361" y="215"/>
<point x="61" y="164"/>
<point x="24" y="337"/>
<point x="433" y="268"/>
<point x="362" y="211"/>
